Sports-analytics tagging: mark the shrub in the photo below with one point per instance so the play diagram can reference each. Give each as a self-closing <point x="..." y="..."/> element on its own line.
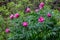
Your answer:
<point x="41" y="23"/>
<point x="45" y="29"/>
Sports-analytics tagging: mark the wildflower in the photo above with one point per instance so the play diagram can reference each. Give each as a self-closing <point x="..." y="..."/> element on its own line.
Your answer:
<point x="7" y="30"/>
<point x="49" y="15"/>
<point x="25" y="24"/>
<point x="16" y="15"/>
<point x="36" y="10"/>
<point x="41" y="5"/>
<point x="11" y="16"/>
<point x="41" y="19"/>
<point x="28" y="10"/>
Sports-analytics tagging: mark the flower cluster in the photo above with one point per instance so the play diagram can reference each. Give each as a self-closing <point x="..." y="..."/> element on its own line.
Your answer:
<point x="25" y="24"/>
<point x="14" y="16"/>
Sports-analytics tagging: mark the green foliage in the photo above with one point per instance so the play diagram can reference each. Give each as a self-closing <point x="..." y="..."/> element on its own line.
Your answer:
<point x="47" y="30"/>
<point x="2" y="28"/>
<point x="3" y="11"/>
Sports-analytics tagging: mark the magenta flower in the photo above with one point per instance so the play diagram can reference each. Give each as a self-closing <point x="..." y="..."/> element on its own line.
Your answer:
<point x="41" y="19"/>
<point x="16" y="15"/>
<point x="36" y="10"/>
<point x="49" y="15"/>
<point x="28" y="10"/>
<point x="41" y="5"/>
<point x="11" y="16"/>
<point x="7" y="30"/>
<point x="25" y="24"/>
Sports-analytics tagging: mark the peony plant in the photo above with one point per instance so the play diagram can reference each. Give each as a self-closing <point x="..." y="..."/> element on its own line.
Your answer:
<point x="40" y="24"/>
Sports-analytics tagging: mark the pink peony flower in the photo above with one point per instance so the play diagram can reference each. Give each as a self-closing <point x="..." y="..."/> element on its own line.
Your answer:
<point x="41" y="19"/>
<point x="25" y="24"/>
<point x="7" y="30"/>
<point x="11" y="16"/>
<point x="36" y="10"/>
<point x="16" y="15"/>
<point x="49" y="15"/>
<point x="28" y="10"/>
<point x="41" y="5"/>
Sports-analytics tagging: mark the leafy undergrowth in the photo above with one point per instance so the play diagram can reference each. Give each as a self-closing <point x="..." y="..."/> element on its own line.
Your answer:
<point x="47" y="28"/>
<point x="43" y="24"/>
